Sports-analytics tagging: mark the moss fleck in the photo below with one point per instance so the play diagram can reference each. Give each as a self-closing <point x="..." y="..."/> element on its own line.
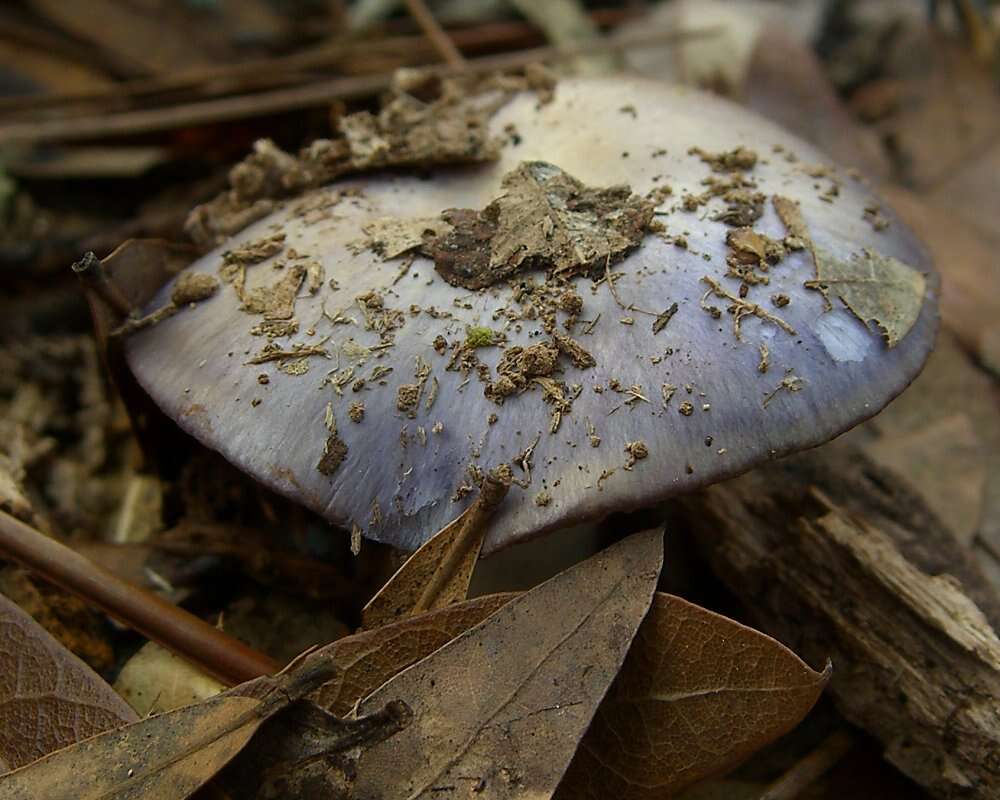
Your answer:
<point x="477" y="336"/>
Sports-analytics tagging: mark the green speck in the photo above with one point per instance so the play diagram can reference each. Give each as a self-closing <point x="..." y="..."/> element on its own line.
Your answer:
<point x="479" y="337"/>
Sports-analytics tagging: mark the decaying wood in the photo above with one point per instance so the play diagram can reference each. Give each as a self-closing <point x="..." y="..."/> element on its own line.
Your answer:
<point x="836" y="561"/>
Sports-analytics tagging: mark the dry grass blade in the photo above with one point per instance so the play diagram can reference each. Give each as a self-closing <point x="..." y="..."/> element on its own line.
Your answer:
<point x="698" y="693"/>
<point x="500" y="710"/>
<point x="438" y="574"/>
<point x="166" y="757"/>
<point x="41" y="682"/>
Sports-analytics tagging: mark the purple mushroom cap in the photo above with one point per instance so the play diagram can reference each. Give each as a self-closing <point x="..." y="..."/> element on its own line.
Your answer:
<point x="355" y="412"/>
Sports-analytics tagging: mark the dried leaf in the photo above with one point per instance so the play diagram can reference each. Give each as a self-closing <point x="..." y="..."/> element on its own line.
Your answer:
<point x="438" y="574"/>
<point x="545" y="218"/>
<point x="368" y="659"/>
<point x="156" y="680"/>
<point x="167" y="756"/>
<point x="307" y="753"/>
<point x="698" y="694"/>
<point x="390" y="237"/>
<point x="48" y="697"/>
<point x="500" y="709"/>
<point x="875" y="288"/>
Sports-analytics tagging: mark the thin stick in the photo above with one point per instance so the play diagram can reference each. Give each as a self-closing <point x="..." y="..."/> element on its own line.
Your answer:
<point x="94" y="279"/>
<point x="189" y="637"/>
<point x="310" y="95"/>
<point x="809" y="769"/>
<point x="441" y="41"/>
<point x="218" y="78"/>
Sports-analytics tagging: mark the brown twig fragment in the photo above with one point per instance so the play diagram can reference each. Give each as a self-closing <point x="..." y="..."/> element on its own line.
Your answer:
<point x="94" y="280"/>
<point x="810" y="768"/>
<point x="185" y="634"/>
<point x="439" y="38"/>
<point x="293" y="98"/>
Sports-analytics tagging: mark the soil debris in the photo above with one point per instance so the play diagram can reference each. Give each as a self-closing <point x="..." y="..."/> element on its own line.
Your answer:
<point x="408" y="131"/>
<point x="575" y="351"/>
<point x="392" y="237"/>
<point x="193" y="287"/>
<point x="739" y="308"/>
<point x="790" y="215"/>
<point x="545" y="219"/>
<point x="663" y="318"/>
<point x="277" y="301"/>
<point x="519" y="366"/>
<point x="735" y="160"/>
<point x="790" y="383"/>
<point x="334" y="453"/>
<point x="254" y="252"/>
<point x="744" y="204"/>
<point x="636" y="451"/>
<point x="274" y="352"/>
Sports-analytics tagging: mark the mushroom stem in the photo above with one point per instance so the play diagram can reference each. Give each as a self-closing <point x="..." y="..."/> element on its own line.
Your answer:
<point x="439" y="38"/>
<point x="185" y="634"/>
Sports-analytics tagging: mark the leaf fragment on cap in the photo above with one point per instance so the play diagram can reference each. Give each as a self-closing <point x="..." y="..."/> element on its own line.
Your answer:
<point x="875" y="287"/>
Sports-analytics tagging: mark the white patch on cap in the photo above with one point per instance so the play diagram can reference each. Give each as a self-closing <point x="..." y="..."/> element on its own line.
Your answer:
<point x="843" y="336"/>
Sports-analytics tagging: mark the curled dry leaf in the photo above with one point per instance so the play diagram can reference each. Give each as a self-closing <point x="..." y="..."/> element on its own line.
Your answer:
<point x="499" y="711"/>
<point x="168" y="756"/>
<point x="439" y="573"/>
<point x="698" y="694"/>
<point x="48" y="697"/>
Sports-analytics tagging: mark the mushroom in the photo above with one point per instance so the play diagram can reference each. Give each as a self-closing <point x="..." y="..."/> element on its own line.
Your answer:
<point x="649" y="290"/>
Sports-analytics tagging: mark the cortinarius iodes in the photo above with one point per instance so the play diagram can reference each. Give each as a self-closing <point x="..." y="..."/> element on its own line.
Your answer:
<point x="648" y="290"/>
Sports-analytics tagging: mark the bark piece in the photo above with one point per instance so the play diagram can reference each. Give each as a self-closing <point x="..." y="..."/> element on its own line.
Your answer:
<point x="918" y="664"/>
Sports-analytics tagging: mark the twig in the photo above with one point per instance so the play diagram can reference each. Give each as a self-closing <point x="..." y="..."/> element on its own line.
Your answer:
<point x="218" y="79"/>
<point x="227" y="109"/>
<point x="810" y="768"/>
<point x="441" y="41"/>
<point x="185" y="634"/>
<point x="94" y="279"/>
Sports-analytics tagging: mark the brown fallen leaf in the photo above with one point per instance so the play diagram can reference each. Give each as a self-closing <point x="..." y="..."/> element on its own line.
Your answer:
<point x="499" y="711"/>
<point x="166" y="757"/>
<point x="306" y="752"/>
<point x="439" y="573"/>
<point x="48" y="697"/>
<point x="698" y="694"/>
<point x="368" y="659"/>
